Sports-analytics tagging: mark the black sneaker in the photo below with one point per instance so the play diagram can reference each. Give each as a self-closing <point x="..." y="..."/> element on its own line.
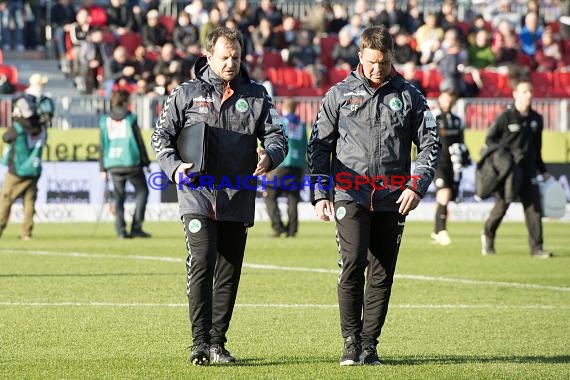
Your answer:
<point x="351" y="355"/>
<point x="219" y="355"/>
<point x="140" y="234"/>
<point x="540" y="254"/>
<point x="369" y="356"/>
<point x="200" y="354"/>
<point x="487" y="245"/>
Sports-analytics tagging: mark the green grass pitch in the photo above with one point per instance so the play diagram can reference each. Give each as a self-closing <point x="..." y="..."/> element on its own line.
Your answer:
<point x="76" y="305"/>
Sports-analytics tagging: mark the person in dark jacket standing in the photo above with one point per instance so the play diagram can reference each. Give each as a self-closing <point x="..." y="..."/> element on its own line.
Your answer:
<point x="454" y="156"/>
<point x="359" y="161"/>
<point x="124" y="156"/>
<point x="519" y="130"/>
<point x="287" y="178"/>
<point x="236" y="112"/>
<point x="31" y="116"/>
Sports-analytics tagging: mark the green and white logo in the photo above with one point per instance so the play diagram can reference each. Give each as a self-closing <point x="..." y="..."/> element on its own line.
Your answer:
<point x="194" y="226"/>
<point x="395" y="104"/>
<point x="241" y="105"/>
<point x="340" y="213"/>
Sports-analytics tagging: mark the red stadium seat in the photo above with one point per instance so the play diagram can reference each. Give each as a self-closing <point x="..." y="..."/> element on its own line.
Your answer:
<point x="11" y="73"/>
<point x="541" y="83"/>
<point x="327" y="44"/>
<point x="272" y="59"/>
<point x="131" y="41"/>
<point x="337" y="75"/>
<point x="168" y="22"/>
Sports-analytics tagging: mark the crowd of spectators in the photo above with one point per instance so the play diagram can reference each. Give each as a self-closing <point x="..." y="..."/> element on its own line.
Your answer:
<point x="130" y="44"/>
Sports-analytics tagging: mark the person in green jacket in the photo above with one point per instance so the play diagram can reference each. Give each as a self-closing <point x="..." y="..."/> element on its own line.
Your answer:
<point x="287" y="177"/>
<point x="31" y="116"/>
<point x="124" y="156"/>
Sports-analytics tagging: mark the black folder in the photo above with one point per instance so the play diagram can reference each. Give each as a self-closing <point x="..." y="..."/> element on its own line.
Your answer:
<point x="192" y="146"/>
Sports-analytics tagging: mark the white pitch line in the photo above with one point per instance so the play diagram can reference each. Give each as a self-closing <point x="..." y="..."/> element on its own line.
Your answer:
<point x="300" y="269"/>
<point x="278" y="306"/>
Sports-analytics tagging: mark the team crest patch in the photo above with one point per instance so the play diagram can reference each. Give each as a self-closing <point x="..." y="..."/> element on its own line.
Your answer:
<point x="194" y="226"/>
<point x="340" y="213"/>
<point x="395" y="104"/>
<point x="241" y="105"/>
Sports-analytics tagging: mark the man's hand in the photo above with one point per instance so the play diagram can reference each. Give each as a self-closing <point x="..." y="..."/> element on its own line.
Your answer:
<point x="408" y="201"/>
<point x="182" y="171"/>
<point x="264" y="163"/>
<point x="324" y="209"/>
<point x="103" y="175"/>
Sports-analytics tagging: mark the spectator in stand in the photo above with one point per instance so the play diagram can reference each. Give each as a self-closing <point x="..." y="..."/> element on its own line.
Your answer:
<point x="501" y="10"/>
<point x="392" y="18"/>
<point x="78" y="35"/>
<point x="340" y="18"/>
<point x="505" y="44"/>
<point x="403" y="52"/>
<point x="193" y="52"/>
<point x="304" y="56"/>
<point x="478" y="24"/>
<point x="154" y="34"/>
<point x="366" y="14"/>
<point x="120" y="69"/>
<point x="263" y="37"/>
<point x="532" y="6"/>
<point x="480" y="53"/>
<point x="120" y="17"/>
<point x="93" y="56"/>
<point x="355" y="27"/>
<point x="409" y="71"/>
<point x="214" y="21"/>
<point x="549" y="53"/>
<point x="140" y="11"/>
<point x="267" y="10"/>
<point x="62" y="20"/>
<point x="224" y="9"/>
<point x="530" y="34"/>
<point x="197" y="12"/>
<point x="345" y="53"/>
<point x="286" y="34"/>
<point x="451" y="60"/>
<point x="428" y="38"/>
<point x="318" y="17"/>
<point x="243" y="14"/>
<point x="446" y="18"/>
<point x="414" y="18"/>
<point x="12" y="22"/>
<point x="143" y="65"/>
<point x="185" y="33"/>
<point x="169" y="65"/>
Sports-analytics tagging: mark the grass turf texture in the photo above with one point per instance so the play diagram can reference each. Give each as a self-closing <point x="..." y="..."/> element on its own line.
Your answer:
<point x="128" y="315"/>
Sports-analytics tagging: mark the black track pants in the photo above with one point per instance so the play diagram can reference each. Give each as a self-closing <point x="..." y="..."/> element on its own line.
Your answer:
<point x="213" y="266"/>
<point x="366" y="240"/>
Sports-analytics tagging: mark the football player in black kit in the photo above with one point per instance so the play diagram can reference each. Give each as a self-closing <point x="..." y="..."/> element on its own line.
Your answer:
<point x="454" y="156"/>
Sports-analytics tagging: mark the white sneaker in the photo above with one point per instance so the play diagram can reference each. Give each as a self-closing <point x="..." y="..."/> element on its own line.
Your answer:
<point x="443" y="238"/>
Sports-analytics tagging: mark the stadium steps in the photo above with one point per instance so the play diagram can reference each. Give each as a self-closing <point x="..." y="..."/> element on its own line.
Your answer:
<point x="30" y="62"/>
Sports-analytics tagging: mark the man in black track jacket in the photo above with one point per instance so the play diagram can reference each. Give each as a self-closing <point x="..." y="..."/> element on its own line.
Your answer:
<point x="359" y="158"/>
<point x="237" y="112"/>
<point x="519" y="131"/>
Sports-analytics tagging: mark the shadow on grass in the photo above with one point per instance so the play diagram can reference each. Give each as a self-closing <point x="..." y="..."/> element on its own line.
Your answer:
<point x="31" y="275"/>
<point x="406" y="361"/>
<point x="451" y="360"/>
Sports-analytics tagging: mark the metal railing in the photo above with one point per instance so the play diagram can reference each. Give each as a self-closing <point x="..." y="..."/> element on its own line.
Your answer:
<point x="84" y="111"/>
